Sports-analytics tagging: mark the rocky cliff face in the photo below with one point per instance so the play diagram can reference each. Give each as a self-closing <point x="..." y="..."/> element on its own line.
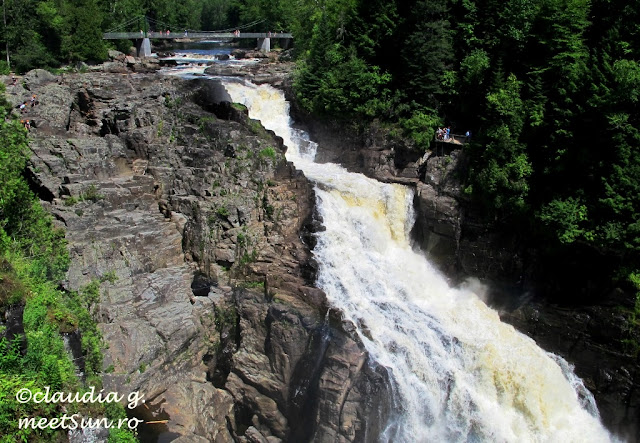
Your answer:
<point x="199" y="231"/>
<point x="596" y="338"/>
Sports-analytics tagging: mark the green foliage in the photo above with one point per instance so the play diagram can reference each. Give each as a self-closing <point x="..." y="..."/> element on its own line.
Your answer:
<point x="627" y="76"/>
<point x="225" y="317"/>
<point x="565" y="218"/>
<point x="118" y="435"/>
<point x="242" y="240"/>
<point x="222" y="211"/>
<point x="254" y="285"/>
<point x="248" y="257"/>
<point x="110" y="277"/>
<point x="474" y="66"/>
<point x="24" y="223"/>
<point x="48" y="313"/>
<point x="340" y="83"/>
<point x="256" y="127"/>
<point x="239" y="107"/>
<point x="71" y="201"/>
<point x="269" y="152"/>
<point x="46" y="33"/>
<point x="427" y="51"/>
<point x="502" y="167"/>
<point x="33" y="258"/>
<point x="91" y="194"/>
<point x="12" y="289"/>
<point x="85" y="42"/>
<point x="421" y="128"/>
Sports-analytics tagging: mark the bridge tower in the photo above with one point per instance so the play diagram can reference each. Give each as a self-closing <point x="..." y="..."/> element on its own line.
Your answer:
<point x="143" y="47"/>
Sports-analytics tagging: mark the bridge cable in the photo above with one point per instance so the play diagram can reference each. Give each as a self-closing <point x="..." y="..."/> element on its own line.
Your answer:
<point x="127" y="23"/>
<point x="164" y="25"/>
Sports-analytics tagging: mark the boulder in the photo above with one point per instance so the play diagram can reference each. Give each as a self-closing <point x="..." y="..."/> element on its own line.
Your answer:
<point x="37" y="77"/>
<point x="238" y="54"/>
<point x="115" y="55"/>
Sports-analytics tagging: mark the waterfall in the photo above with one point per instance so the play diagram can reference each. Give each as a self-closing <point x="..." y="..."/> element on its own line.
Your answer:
<point x="457" y="372"/>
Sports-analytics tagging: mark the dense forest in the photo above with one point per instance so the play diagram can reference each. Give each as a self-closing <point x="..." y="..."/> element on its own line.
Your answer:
<point x="549" y="89"/>
<point x="47" y="33"/>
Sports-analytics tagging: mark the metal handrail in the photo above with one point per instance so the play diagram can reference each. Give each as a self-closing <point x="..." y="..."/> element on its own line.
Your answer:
<point x="453" y="138"/>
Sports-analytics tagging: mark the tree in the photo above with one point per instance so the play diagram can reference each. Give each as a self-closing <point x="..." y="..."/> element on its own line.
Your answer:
<point x="82" y="39"/>
<point x="427" y="51"/>
<point x="502" y="168"/>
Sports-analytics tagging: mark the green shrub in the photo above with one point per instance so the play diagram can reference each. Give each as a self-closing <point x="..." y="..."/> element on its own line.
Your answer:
<point x="70" y="201"/>
<point x="92" y="194"/>
<point x="421" y="128"/>
<point x="222" y="211"/>
<point x="33" y="259"/>
<point x="268" y="152"/>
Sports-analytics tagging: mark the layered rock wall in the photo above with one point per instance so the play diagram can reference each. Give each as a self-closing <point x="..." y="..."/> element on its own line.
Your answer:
<point x="198" y="230"/>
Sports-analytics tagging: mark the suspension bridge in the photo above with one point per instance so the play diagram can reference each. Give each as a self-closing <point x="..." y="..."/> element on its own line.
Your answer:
<point x="142" y="38"/>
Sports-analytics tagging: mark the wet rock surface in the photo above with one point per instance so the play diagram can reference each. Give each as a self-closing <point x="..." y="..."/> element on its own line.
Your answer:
<point x="190" y="217"/>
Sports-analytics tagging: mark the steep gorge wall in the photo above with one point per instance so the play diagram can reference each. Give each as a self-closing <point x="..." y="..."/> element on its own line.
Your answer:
<point x="199" y="230"/>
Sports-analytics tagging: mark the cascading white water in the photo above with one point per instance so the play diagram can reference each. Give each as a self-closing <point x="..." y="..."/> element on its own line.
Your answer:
<point x="458" y="372"/>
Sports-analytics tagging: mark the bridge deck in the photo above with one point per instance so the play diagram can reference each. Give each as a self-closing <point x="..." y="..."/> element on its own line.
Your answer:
<point x="194" y="35"/>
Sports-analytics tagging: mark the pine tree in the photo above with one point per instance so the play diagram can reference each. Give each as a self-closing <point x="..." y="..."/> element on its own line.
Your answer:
<point x="427" y="51"/>
<point x="83" y="32"/>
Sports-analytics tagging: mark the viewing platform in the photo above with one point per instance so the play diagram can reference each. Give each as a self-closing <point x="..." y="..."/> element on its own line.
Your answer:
<point x="444" y="147"/>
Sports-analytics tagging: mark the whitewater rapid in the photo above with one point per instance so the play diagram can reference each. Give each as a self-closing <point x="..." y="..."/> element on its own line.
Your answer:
<point x="457" y="372"/>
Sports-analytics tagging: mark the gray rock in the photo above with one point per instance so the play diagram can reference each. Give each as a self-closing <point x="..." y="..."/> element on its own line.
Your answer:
<point x="37" y="78"/>
<point x="89" y="435"/>
<point x="135" y="168"/>
<point x="115" y="55"/>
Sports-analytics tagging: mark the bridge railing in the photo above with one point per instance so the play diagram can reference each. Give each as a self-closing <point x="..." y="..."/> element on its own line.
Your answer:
<point x="445" y="147"/>
<point x="456" y="139"/>
<point x="193" y="35"/>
